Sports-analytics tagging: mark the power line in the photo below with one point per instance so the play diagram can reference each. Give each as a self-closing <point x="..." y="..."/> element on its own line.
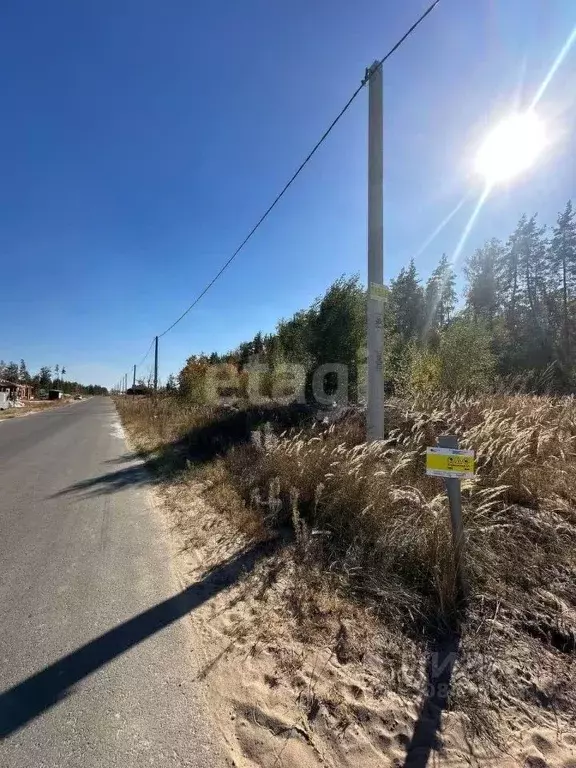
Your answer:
<point x="304" y="163"/>
<point x="146" y="355"/>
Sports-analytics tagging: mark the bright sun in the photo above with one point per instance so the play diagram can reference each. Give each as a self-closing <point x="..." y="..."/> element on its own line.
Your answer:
<point x="512" y="147"/>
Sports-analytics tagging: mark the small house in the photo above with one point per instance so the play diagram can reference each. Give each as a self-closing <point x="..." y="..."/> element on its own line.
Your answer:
<point x="16" y="391"/>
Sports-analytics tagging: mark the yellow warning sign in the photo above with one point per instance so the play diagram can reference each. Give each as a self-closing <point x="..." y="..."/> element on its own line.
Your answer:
<point x="450" y="462"/>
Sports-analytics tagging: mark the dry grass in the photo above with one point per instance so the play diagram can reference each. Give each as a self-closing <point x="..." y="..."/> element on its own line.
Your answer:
<point x="377" y="515"/>
<point x="33" y="406"/>
<point x="384" y="524"/>
<point x="371" y="528"/>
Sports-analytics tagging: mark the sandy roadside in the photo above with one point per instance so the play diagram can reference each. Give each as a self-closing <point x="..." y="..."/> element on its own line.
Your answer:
<point x="39" y="406"/>
<point x="347" y="698"/>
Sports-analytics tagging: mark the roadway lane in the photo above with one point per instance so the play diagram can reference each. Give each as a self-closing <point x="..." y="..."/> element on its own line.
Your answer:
<point x="96" y="665"/>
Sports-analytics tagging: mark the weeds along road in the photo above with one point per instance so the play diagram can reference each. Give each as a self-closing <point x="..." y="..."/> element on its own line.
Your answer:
<point x="97" y="667"/>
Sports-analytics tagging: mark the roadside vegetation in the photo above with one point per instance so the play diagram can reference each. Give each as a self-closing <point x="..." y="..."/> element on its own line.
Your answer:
<point x="363" y="569"/>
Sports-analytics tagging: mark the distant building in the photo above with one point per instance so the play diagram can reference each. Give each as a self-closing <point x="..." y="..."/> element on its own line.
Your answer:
<point x="15" y="390"/>
<point x="55" y="394"/>
<point x="139" y="390"/>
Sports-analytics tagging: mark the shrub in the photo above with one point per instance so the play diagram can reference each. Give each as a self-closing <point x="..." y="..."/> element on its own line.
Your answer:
<point x="466" y="360"/>
<point x="424" y="371"/>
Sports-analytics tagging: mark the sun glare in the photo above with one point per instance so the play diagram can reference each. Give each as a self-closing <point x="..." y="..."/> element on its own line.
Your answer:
<point x="511" y="148"/>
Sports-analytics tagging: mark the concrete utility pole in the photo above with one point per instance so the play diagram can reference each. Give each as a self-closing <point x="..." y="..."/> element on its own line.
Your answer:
<point x="134" y="378"/>
<point x="375" y="318"/>
<point x="156" y="364"/>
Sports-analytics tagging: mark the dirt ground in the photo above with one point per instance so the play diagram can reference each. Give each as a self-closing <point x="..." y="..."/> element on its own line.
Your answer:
<point x="337" y="690"/>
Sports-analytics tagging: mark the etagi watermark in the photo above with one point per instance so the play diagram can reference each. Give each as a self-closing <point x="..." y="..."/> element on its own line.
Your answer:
<point x="326" y="385"/>
<point x="442" y="673"/>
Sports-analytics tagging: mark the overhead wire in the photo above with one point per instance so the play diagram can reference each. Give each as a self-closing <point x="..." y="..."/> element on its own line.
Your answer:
<point x="369" y="73"/>
<point x="141" y="363"/>
<point x="280" y="195"/>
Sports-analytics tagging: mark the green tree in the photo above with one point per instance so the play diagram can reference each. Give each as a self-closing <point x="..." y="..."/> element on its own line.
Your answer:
<point x="11" y="371"/>
<point x="511" y="279"/>
<point x="45" y="377"/>
<point x="562" y="267"/>
<point x="483" y="274"/>
<point x="532" y="247"/>
<point x="245" y="352"/>
<point x="407" y="302"/>
<point x="440" y="296"/>
<point x="526" y="334"/>
<point x="338" y="330"/>
<point x="23" y="375"/>
<point x="258" y="344"/>
<point x="467" y="363"/>
<point x="295" y="336"/>
<point x="537" y="337"/>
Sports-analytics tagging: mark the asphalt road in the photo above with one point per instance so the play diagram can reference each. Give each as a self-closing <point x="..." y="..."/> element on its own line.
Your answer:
<point x="96" y="664"/>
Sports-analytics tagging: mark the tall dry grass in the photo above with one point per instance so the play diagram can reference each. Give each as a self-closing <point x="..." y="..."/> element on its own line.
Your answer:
<point x="370" y="514"/>
<point x="385" y="523"/>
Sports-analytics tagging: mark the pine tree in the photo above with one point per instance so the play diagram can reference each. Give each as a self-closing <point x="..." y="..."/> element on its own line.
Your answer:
<point x="338" y="329"/>
<point x="511" y="279"/>
<point x="483" y="273"/>
<point x="440" y="295"/>
<point x="532" y="258"/>
<point x="562" y="266"/>
<point x="538" y="341"/>
<point x="258" y="344"/>
<point x="407" y="300"/>
<point x="23" y="375"/>
<point x="45" y="378"/>
<point x="11" y="372"/>
<point x="245" y="352"/>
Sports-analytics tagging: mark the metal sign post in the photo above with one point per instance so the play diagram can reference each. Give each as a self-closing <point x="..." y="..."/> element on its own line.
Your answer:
<point x="453" y="464"/>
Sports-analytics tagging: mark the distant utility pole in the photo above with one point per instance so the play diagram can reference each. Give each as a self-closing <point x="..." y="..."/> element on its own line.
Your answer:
<point x="134" y="379"/>
<point x="156" y="364"/>
<point x="375" y="310"/>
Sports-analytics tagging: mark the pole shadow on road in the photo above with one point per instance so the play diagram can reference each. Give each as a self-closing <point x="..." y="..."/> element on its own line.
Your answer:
<point x="135" y="475"/>
<point x="41" y="691"/>
<point x="226" y="430"/>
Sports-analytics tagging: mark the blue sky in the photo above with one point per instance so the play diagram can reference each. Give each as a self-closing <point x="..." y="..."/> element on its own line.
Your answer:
<point x="142" y="140"/>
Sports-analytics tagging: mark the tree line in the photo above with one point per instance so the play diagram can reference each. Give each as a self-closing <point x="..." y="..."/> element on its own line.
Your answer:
<point x="513" y="323"/>
<point x="44" y="379"/>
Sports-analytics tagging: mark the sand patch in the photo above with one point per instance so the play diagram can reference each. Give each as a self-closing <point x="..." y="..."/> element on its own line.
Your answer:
<point x="298" y="676"/>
